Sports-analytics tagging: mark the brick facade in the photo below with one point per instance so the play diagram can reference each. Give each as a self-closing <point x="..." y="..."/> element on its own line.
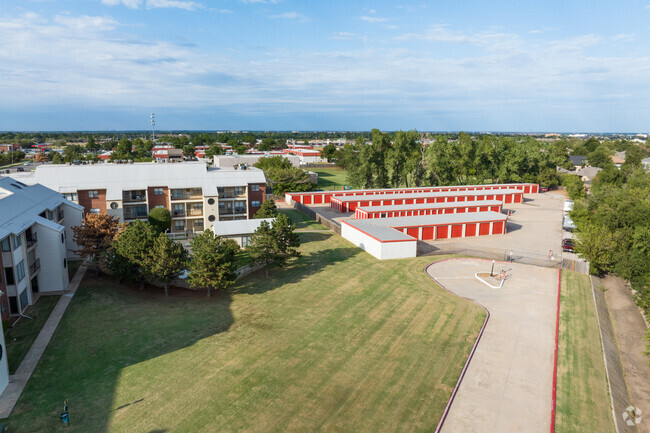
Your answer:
<point x="158" y="200"/>
<point x="255" y="196"/>
<point x="88" y="203"/>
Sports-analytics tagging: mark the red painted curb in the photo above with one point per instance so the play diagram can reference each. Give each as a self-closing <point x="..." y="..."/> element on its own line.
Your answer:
<point x="557" y="335"/>
<point x="471" y="353"/>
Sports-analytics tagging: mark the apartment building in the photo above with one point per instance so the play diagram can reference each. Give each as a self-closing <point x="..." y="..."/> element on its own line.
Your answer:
<point x="195" y="195"/>
<point x="36" y="241"/>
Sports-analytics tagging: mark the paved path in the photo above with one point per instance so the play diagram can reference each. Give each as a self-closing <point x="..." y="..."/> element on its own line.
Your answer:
<point x="508" y="384"/>
<point x="629" y="328"/>
<point x="18" y="381"/>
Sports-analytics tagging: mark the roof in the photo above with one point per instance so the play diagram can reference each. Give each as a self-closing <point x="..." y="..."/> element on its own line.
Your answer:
<point x="382" y="228"/>
<point x="116" y="178"/>
<point x="20" y="206"/>
<point x="589" y="172"/>
<point x="398" y="196"/>
<point x="406" y="207"/>
<point x="238" y="227"/>
<point x="577" y="160"/>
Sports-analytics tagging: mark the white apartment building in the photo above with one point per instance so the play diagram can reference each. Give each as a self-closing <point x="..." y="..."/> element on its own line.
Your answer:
<point x="36" y="241"/>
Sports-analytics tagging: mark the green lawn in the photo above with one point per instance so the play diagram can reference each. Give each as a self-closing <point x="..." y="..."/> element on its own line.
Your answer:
<point x="337" y="342"/>
<point x="73" y="265"/>
<point x="583" y="403"/>
<point x="301" y="221"/>
<point x="331" y="178"/>
<point x="242" y="258"/>
<point x="20" y="337"/>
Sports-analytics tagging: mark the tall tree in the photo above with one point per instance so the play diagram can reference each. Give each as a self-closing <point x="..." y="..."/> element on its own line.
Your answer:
<point x="94" y="236"/>
<point x="166" y="260"/>
<point x="161" y="219"/>
<point x="273" y="244"/>
<point x="212" y="263"/>
<point x="267" y="210"/>
<point x="135" y="243"/>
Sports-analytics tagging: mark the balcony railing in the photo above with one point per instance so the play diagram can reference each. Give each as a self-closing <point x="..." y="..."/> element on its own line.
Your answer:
<point x="178" y="213"/>
<point x="31" y="241"/>
<point x="186" y="196"/>
<point x="34" y="267"/>
<point x="195" y="212"/>
<point x="134" y="198"/>
<point x="135" y="212"/>
<point x="231" y="211"/>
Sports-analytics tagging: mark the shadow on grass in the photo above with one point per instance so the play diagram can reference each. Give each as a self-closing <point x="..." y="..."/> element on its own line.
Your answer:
<point x="307" y="237"/>
<point x="106" y="329"/>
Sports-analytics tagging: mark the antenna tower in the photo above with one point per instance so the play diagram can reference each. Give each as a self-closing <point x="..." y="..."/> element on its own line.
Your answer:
<point x="153" y="124"/>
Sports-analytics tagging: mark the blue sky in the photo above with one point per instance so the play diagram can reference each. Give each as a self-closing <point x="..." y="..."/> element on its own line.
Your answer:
<point x="325" y="65"/>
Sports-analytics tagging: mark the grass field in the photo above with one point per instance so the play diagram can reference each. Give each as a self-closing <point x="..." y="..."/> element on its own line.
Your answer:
<point x="73" y="265"/>
<point x="330" y="178"/>
<point x="301" y="221"/>
<point x="583" y="403"/>
<point x="20" y="337"/>
<point x="339" y="342"/>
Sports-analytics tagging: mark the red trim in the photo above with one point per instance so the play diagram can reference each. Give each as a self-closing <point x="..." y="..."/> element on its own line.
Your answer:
<point x="557" y="335"/>
<point x="379" y="240"/>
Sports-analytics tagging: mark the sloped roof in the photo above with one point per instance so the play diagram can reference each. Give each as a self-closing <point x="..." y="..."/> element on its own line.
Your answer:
<point x="238" y="227"/>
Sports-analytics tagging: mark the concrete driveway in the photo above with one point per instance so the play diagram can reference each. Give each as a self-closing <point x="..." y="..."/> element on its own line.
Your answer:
<point x="508" y="384"/>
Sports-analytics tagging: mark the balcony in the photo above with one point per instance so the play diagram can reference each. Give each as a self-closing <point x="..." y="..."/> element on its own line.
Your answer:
<point x="186" y="196"/>
<point x="231" y="192"/>
<point x="178" y="212"/>
<point x="134" y="212"/>
<point x="136" y="196"/>
<point x="34" y="267"/>
<point x="231" y="211"/>
<point x="195" y="212"/>
<point x="31" y="240"/>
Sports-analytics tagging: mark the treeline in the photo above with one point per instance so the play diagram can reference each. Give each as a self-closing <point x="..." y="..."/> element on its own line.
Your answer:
<point x="403" y="159"/>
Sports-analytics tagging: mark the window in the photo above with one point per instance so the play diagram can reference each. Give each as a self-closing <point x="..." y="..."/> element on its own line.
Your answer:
<point x="24" y="301"/>
<point x="255" y="203"/>
<point x="239" y="190"/>
<point x="196" y="191"/>
<point x="18" y="241"/>
<point x="211" y="218"/>
<point x="158" y="191"/>
<point x="65" y="263"/>
<point x="13" y="305"/>
<point x="159" y="205"/>
<point x="179" y="225"/>
<point x="179" y="209"/>
<point x="9" y="276"/>
<point x="255" y="188"/>
<point x="114" y="205"/>
<point x="93" y="193"/>
<point x="197" y="206"/>
<point x="240" y="206"/>
<point x="6" y="244"/>
<point x="198" y="223"/>
<point x="245" y="240"/>
<point x="20" y="271"/>
<point x="210" y="201"/>
<point x="94" y="210"/>
<point x="72" y="196"/>
<point x="222" y="205"/>
<point x="62" y="237"/>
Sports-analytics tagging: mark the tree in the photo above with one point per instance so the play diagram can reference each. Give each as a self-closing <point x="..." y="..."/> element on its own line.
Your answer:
<point x="600" y="157"/>
<point x="166" y="260"/>
<point x="574" y="186"/>
<point x="72" y="152"/>
<point x="161" y="219"/>
<point x="135" y="243"/>
<point x="215" y="149"/>
<point x="267" y="210"/>
<point x="57" y="158"/>
<point x="123" y="150"/>
<point x="273" y="244"/>
<point x="267" y="144"/>
<point x="94" y="235"/>
<point x="41" y="157"/>
<point x="328" y="152"/>
<point x="266" y="163"/>
<point x="92" y="145"/>
<point x="212" y="263"/>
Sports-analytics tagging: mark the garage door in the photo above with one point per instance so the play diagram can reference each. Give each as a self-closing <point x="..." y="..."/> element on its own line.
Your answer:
<point x="470" y="230"/>
<point x="498" y="228"/>
<point x="427" y="233"/>
<point x="449" y="210"/>
<point x="413" y="231"/>
<point x="442" y="232"/>
<point x="461" y="210"/>
<point x="484" y="229"/>
<point x="456" y="231"/>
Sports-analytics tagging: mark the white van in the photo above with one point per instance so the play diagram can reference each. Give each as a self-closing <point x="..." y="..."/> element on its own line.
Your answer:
<point x="568" y="206"/>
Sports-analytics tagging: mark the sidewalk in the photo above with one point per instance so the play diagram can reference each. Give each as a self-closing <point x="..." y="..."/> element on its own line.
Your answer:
<point x="18" y="381"/>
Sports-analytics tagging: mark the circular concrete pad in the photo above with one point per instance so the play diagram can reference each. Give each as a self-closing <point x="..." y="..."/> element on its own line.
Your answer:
<point x="508" y="383"/>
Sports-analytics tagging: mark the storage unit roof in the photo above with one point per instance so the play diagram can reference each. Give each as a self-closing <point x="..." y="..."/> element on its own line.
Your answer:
<point x="409" y="207"/>
<point x="399" y="196"/>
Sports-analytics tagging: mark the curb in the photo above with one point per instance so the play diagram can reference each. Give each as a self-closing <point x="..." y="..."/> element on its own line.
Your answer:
<point x="557" y="336"/>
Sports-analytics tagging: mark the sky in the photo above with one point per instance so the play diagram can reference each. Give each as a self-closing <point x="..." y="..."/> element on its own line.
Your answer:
<point x="334" y="65"/>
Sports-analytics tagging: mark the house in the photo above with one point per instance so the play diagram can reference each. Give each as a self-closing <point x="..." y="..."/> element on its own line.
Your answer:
<point x="618" y="159"/>
<point x="646" y="163"/>
<point x="166" y="153"/>
<point x="239" y="231"/>
<point x="36" y="242"/>
<point x="251" y="159"/>
<point x="578" y="161"/>
<point x="195" y="195"/>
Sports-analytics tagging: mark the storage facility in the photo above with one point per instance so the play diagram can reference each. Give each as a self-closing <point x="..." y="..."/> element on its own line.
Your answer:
<point x="324" y="197"/>
<point x="427" y="209"/>
<point x="350" y="203"/>
<point x="391" y="238"/>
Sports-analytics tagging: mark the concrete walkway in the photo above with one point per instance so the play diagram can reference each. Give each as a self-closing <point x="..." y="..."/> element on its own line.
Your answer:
<point x="508" y="384"/>
<point x="18" y="381"/>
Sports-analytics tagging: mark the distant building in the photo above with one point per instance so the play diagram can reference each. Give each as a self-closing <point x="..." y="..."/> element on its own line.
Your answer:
<point x="36" y="241"/>
<point x="166" y="153"/>
<point x="195" y="195"/>
<point x="646" y="163"/>
<point x="230" y="161"/>
<point x="618" y="159"/>
<point x="578" y="161"/>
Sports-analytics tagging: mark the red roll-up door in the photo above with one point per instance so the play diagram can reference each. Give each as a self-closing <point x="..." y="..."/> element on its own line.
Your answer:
<point x="507" y="198"/>
<point x="456" y="231"/>
<point x="498" y="197"/>
<point x="427" y="233"/>
<point x="461" y="210"/>
<point x="461" y="198"/>
<point x="483" y="208"/>
<point x="484" y="229"/>
<point x="449" y="210"/>
<point x="497" y="229"/>
<point x="306" y="199"/>
<point x="517" y="198"/>
<point x="413" y="231"/>
<point x="526" y="189"/>
<point x="420" y="200"/>
<point x="471" y="198"/>
<point x="440" y="199"/>
<point x="470" y="229"/>
<point x="442" y="232"/>
<point x="399" y="201"/>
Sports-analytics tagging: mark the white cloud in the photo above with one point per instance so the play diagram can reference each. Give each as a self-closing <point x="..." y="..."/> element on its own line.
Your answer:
<point x="86" y="22"/>
<point x="175" y="4"/>
<point x="225" y="11"/>
<point x="293" y="16"/>
<point x="259" y="1"/>
<point x="132" y="4"/>
<point x="373" y="19"/>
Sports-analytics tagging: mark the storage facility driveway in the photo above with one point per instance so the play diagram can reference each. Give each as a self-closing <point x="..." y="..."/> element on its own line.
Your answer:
<point x="508" y="384"/>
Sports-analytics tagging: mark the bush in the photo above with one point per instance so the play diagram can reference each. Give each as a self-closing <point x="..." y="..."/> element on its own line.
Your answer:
<point x="161" y="219"/>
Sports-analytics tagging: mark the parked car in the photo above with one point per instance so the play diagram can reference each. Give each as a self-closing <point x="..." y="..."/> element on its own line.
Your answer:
<point x="543" y="189"/>
<point x="20" y="169"/>
<point x="567" y="245"/>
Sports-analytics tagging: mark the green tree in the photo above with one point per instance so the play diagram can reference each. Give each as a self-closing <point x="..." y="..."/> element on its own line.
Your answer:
<point x="273" y="244"/>
<point x="123" y="150"/>
<point x="72" y="153"/>
<point x="212" y="263"/>
<point x="267" y="210"/>
<point x="166" y="260"/>
<point x="574" y="186"/>
<point x="57" y="158"/>
<point x="92" y="145"/>
<point x="161" y="219"/>
<point x="215" y="149"/>
<point x="135" y="244"/>
<point x="601" y="157"/>
<point x="328" y="152"/>
<point x="267" y="144"/>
